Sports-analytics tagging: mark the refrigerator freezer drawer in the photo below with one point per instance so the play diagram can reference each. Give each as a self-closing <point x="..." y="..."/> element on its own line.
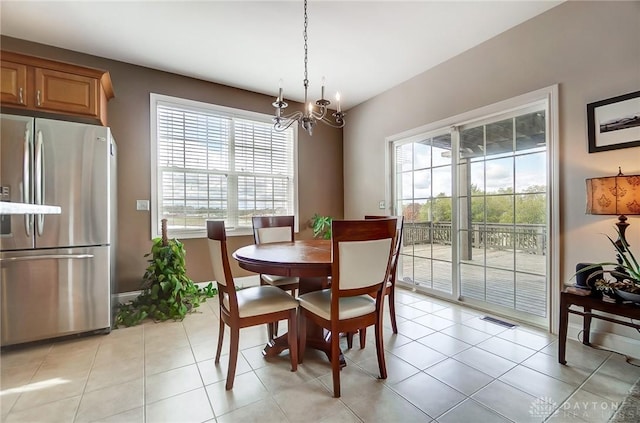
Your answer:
<point x="50" y="293"/>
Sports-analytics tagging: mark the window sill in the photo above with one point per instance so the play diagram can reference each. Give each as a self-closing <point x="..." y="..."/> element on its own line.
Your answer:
<point x="231" y="232"/>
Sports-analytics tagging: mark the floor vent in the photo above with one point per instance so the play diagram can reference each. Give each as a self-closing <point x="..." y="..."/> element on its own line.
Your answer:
<point x="498" y="322"/>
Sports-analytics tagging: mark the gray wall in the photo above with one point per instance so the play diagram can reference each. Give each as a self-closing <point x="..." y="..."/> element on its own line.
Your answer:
<point x="320" y="181"/>
<point x="591" y="49"/>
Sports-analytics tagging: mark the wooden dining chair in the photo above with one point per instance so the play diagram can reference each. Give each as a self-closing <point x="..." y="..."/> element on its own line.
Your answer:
<point x="390" y="290"/>
<point x="361" y="253"/>
<point x="267" y="229"/>
<point x="246" y="307"/>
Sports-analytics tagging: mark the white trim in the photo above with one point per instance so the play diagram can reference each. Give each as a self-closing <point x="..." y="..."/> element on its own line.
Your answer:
<point x="553" y="238"/>
<point x="485" y="112"/>
<point x="241" y="282"/>
<point x="153" y="150"/>
<point x="605" y="340"/>
<point x="199" y="105"/>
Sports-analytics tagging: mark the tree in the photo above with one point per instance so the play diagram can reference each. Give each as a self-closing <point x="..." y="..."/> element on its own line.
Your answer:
<point x="411" y="212"/>
<point x="442" y="208"/>
<point x="531" y="206"/>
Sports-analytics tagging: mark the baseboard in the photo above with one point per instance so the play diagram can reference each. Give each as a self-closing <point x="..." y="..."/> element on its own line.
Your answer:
<point x="608" y="341"/>
<point x="242" y="282"/>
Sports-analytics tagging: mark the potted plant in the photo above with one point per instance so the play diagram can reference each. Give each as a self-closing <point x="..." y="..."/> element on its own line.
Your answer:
<point x="321" y="226"/>
<point x="167" y="291"/>
<point x="624" y="283"/>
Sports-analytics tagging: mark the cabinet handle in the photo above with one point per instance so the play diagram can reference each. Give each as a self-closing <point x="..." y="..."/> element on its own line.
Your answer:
<point x="20" y="98"/>
<point x="38" y="98"/>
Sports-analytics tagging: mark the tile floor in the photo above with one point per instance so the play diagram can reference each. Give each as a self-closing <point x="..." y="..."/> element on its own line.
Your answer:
<point x="445" y="365"/>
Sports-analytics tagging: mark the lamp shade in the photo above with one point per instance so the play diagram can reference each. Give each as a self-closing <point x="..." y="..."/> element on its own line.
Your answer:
<point x="614" y="195"/>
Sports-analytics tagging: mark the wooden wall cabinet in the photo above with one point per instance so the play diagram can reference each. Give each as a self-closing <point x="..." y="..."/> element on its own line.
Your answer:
<point x="34" y="84"/>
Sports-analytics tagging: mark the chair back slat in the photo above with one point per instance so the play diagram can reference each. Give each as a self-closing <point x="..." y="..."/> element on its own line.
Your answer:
<point x="363" y="263"/>
<point x="215" y="251"/>
<point x="273" y="229"/>
<point x="277" y="234"/>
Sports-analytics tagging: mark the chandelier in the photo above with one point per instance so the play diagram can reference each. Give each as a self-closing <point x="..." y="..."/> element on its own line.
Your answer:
<point x="310" y="115"/>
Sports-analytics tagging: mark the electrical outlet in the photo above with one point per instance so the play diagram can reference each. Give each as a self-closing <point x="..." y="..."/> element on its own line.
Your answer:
<point x="381" y="205"/>
<point x="142" y="204"/>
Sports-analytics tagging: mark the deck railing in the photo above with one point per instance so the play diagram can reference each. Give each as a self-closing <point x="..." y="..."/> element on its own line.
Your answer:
<point x="529" y="238"/>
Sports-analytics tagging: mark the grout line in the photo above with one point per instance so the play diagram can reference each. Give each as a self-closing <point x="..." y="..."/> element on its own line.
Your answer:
<point x="580" y="387"/>
<point x="44" y="358"/>
<point x="195" y="361"/>
<point x="86" y="382"/>
<point x="144" y="375"/>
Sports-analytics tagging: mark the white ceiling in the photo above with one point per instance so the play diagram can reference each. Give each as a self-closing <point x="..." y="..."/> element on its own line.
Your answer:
<point x="362" y="47"/>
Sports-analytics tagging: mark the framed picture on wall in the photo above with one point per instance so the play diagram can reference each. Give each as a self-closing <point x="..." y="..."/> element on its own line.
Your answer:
<point x="614" y="123"/>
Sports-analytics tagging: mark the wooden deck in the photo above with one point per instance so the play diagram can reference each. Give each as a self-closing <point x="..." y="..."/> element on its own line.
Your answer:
<point x="524" y="290"/>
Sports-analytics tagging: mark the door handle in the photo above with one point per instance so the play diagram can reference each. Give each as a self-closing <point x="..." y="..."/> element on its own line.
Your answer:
<point x="38" y="98"/>
<point x="39" y="180"/>
<point x="26" y="179"/>
<point x="20" y="97"/>
<point x="46" y="257"/>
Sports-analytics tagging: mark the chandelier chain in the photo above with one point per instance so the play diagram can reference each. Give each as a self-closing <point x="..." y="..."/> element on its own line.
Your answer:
<point x="306" y="23"/>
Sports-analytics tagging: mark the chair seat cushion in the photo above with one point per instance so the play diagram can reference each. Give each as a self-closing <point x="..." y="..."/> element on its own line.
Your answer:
<point x="262" y="300"/>
<point x="279" y="280"/>
<point x="319" y="303"/>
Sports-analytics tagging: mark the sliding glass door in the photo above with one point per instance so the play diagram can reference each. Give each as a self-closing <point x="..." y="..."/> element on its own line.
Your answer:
<point x="503" y="212"/>
<point x="475" y="201"/>
<point x="424" y="196"/>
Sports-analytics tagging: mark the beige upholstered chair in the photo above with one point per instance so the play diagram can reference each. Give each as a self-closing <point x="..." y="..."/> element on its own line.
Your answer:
<point x="267" y="229"/>
<point x="361" y="254"/>
<point x="391" y="283"/>
<point x="247" y="307"/>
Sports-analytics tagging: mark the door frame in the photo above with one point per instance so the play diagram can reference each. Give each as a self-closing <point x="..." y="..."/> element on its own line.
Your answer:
<point x="549" y="95"/>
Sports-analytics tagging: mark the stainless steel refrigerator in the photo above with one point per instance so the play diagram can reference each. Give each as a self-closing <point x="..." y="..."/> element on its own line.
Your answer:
<point x="57" y="271"/>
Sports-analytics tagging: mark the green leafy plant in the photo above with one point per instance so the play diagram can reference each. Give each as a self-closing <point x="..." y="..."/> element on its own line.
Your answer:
<point x="167" y="291"/>
<point x="625" y="271"/>
<point x="321" y="226"/>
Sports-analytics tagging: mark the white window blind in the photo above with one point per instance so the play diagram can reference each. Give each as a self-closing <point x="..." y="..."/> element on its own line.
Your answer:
<point x="211" y="162"/>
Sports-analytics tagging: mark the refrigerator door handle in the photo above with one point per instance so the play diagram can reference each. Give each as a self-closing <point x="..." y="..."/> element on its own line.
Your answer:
<point x="46" y="257"/>
<point x="39" y="181"/>
<point x="26" y="180"/>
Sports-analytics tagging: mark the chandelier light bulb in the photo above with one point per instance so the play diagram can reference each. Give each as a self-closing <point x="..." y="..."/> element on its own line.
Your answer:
<point x="306" y="119"/>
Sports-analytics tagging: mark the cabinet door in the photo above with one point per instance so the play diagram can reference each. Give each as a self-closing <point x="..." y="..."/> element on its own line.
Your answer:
<point x="66" y="92"/>
<point x="14" y="84"/>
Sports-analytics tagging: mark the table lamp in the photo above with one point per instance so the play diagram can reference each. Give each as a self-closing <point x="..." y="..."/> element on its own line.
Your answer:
<point x="615" y="195"/>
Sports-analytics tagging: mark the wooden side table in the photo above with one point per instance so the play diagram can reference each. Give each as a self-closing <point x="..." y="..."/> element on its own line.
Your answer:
<point x="582" y="298"/>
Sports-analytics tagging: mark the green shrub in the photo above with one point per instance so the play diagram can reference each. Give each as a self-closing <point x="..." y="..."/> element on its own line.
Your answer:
<point x="167" y="291"/>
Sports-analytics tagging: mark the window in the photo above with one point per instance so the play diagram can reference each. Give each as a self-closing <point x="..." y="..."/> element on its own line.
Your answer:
<point x="213" y="162"/>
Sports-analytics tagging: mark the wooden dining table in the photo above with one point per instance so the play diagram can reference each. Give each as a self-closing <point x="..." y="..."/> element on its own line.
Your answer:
<point x="310" y="261"/>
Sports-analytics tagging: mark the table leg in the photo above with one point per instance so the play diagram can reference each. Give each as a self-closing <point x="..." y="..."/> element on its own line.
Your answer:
<point x="586" y="325"/>
<point x="562" y="333"/>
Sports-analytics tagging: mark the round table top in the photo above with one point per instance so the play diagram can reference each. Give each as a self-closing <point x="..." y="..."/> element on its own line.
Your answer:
<point x="304" y="258"/>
